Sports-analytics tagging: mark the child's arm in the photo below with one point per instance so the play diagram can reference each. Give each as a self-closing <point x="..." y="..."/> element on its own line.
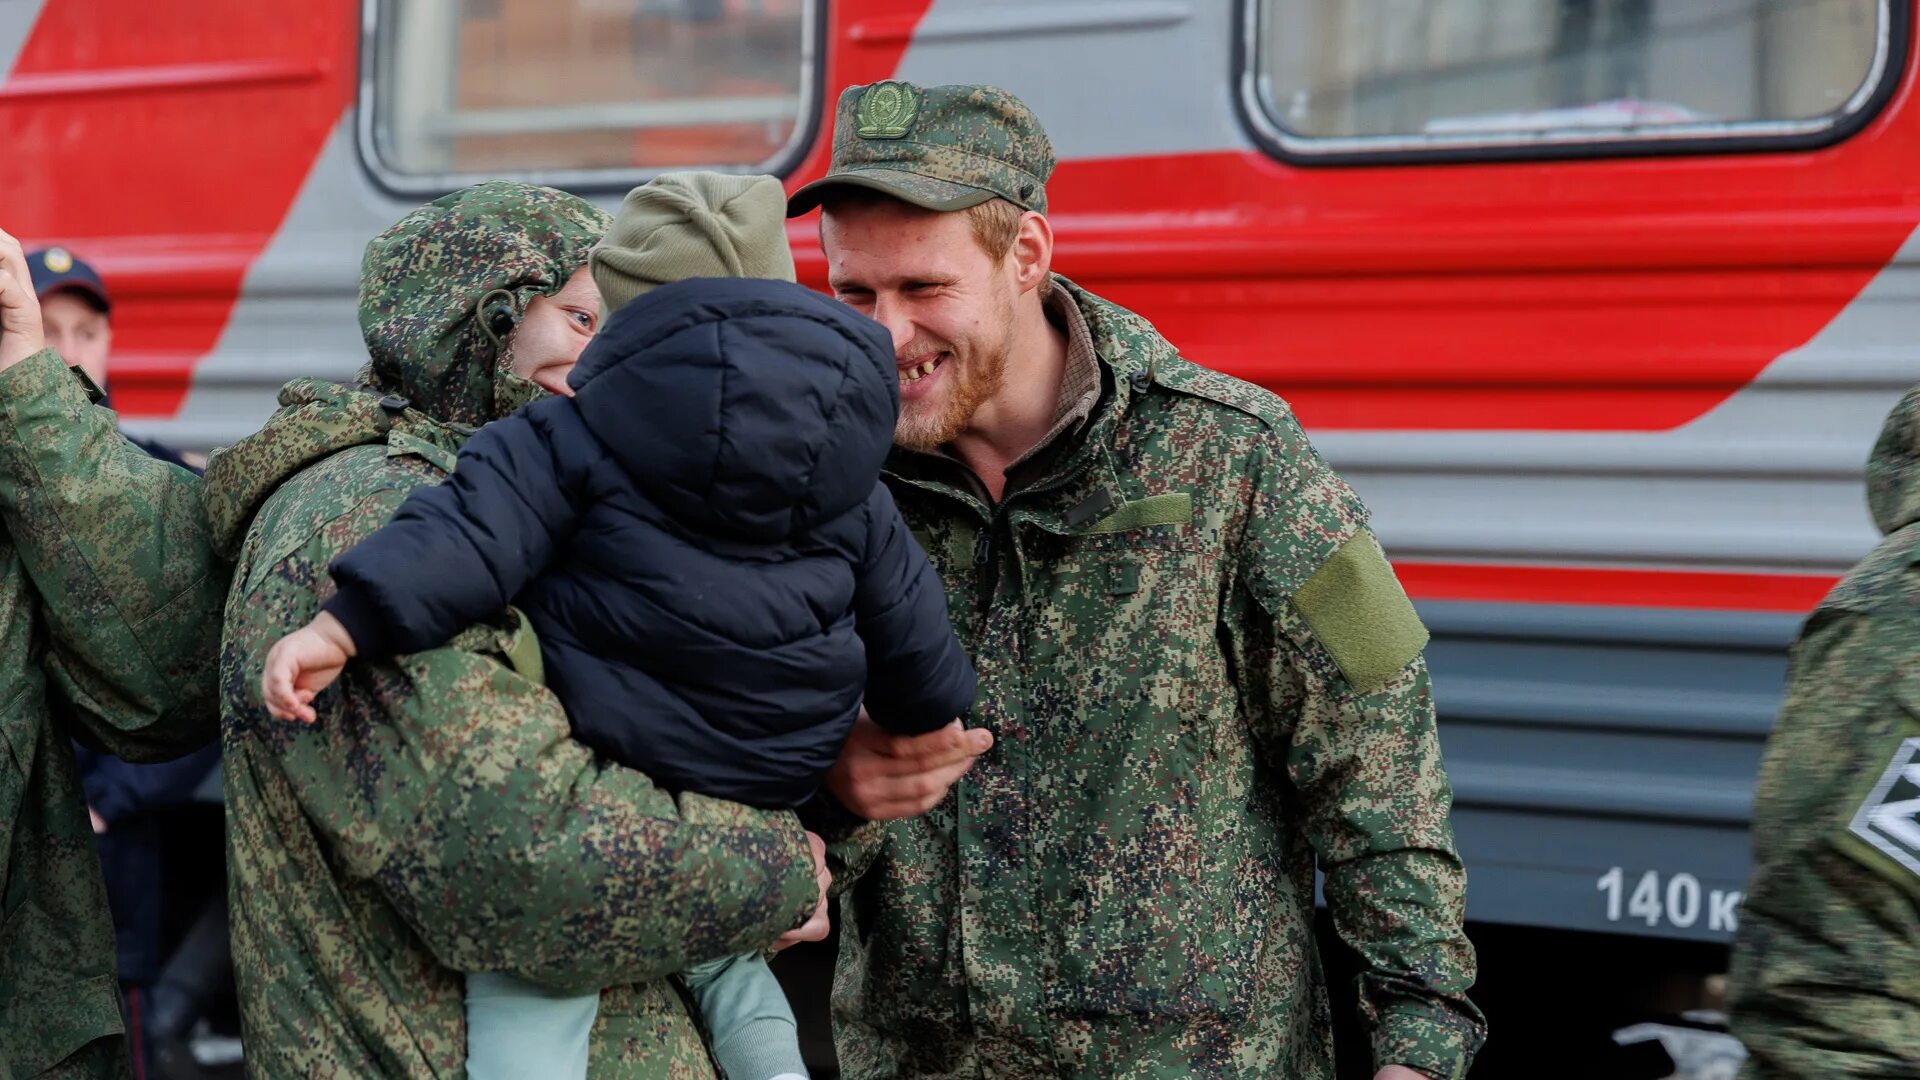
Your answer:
<point x="302" y="664"/>
<point x="461" y="551"/>
<point x="918" y="677"/>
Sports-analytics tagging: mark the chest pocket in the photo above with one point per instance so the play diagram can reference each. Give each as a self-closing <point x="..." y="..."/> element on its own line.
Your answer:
<point x="1124" y="610"/>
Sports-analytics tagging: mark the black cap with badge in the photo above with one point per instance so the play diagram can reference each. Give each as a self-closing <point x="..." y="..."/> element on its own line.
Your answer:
<point x="55" y="270"/>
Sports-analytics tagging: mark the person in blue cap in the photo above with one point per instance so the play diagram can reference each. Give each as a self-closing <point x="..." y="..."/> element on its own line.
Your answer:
<point x="77" y="314"/>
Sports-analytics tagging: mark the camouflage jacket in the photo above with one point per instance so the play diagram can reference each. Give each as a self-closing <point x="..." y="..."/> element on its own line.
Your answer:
<point x="1826" y="968"/>
<point x="108" y="629"/>
<point x="1201" y="675"/>
<point x="439" y="818"/>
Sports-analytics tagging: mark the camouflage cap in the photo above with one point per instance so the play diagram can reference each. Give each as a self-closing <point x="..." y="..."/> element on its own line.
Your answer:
<point x="940" y="147"/>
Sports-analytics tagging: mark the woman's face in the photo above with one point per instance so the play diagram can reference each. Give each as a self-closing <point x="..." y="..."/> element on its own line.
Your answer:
<point x="551" y="335"/>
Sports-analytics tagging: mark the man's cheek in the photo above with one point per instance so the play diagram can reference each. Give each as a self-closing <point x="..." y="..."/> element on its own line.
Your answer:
<point x="554" y="380"/>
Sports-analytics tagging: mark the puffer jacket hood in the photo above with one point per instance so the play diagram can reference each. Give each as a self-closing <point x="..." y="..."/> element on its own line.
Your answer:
<point x="425" y="282"/>
<point x="1893" y="471"/>
<point x="749" y="409"/>
<point x="700" y="540"/>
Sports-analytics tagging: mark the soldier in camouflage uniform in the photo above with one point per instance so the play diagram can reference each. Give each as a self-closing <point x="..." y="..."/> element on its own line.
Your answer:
<point x="438" y="818"/>
<point x="1197" y="668"/>
<point x="1826" y="969"/>
<point x="106" y="629"/>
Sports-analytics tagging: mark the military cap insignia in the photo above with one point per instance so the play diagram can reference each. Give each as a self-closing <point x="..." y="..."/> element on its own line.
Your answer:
<point x="886" y="111"/>
<point x="1888" y="820"/>
<point x="58" y="260"/>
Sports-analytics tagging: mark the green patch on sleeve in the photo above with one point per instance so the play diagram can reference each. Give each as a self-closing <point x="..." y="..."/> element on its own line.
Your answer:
<point x="1358" y="611"/>
<point x="1172" y="508"/>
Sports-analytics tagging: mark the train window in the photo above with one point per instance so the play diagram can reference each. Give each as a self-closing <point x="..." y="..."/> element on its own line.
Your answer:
<point x="583" y="93"/>
<point x="1355" y="79"/>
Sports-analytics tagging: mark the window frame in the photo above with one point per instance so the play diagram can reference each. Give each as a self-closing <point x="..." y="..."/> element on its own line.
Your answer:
<point x="410" y="185"/>
<point x="1884" y="77"/>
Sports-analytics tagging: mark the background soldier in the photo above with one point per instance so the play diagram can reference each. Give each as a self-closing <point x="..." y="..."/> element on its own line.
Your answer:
<point x="1197" y="668"/>
<point x="77" y="312"/>
<point x="1826" y="968"/>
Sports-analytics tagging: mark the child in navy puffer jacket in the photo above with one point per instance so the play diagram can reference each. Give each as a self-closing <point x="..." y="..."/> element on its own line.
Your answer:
<point x="699" y="538"/>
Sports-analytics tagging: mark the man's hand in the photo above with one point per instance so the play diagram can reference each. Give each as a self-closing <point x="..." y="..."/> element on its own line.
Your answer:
<point x="1400" y="1072"/>
<point x="817" y="926"/>
<point x="99" y="823"/>
<point x="20" y="332"/>
<point x="881" y="776"/>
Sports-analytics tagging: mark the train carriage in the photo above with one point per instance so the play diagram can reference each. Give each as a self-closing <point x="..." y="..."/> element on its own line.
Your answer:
<point x="1598" y="303"/>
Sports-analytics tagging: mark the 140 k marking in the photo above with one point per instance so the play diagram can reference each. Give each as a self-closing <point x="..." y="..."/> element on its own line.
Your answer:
<point x="1677" y="901"/>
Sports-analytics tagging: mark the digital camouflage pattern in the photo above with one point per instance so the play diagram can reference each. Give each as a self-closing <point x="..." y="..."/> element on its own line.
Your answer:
<point x="438" y="818"/>
<point x="423" y="281"/>
<point x="1826" y="967"/>
<point x="940" y="147"/>
<point x="1123" y="888"/>
<point x="108" y="627"/>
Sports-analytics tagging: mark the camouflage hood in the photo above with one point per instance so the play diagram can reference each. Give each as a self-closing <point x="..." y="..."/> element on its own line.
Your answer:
<point x="425" y="283"/>
<point x="1893" y="472"/>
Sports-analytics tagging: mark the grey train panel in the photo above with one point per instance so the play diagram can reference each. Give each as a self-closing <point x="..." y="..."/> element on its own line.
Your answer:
<point x="1603" y="759"/>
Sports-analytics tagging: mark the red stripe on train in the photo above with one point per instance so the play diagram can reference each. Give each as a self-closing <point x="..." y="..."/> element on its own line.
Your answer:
<point x="1629" y="294"/>
<point x="1794" y="594"/>
<point x="166" y="146"/>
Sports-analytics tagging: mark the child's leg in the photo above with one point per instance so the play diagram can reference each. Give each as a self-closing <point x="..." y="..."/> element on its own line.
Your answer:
<point x="748" y="1018"/>
<point x="515" y="1030"/>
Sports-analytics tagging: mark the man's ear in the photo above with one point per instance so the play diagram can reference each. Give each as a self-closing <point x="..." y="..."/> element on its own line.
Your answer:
<point x="1032" y="252"/>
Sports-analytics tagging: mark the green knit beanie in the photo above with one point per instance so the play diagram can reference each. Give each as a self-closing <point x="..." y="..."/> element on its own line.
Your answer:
<point x="688" y="225"/>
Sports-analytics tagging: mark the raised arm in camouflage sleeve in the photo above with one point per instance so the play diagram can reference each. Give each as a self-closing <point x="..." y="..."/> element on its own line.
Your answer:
<point x="1339" y="695"/>
<point x="112" y="599"/>
<point x="116" y="545"/>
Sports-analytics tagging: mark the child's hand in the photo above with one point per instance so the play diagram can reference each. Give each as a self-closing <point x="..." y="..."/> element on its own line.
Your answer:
<point x="301" y="665"/>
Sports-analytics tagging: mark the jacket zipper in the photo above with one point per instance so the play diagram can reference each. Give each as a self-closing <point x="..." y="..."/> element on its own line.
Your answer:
<point x="986" y="578"/>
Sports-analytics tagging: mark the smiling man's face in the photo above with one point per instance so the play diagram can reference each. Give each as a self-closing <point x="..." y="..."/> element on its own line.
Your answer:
<point x="949" y="306"/>
<point x="554" y="332"/>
